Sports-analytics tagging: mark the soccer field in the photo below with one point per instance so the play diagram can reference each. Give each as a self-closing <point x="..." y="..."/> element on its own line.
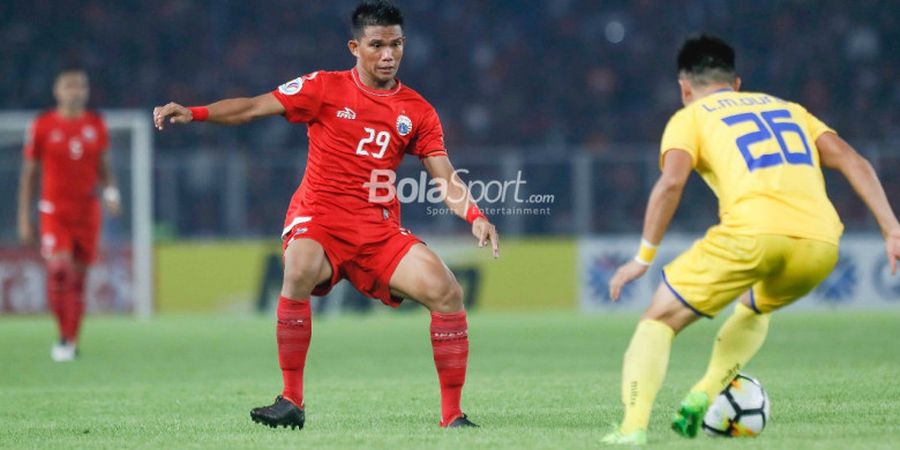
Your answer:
<point x="547" y="380"/>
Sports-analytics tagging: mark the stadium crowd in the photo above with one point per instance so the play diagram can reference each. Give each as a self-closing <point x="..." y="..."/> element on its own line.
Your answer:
<point x="544" y="76"/>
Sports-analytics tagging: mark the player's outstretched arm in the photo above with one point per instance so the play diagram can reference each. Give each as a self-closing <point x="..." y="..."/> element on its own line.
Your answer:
<point x="664" y="199"/>
<point x="835" y="153"/>
<point x="460" y="201"/>
<point x="27" y="188"/>
<point x="232" y="111"/>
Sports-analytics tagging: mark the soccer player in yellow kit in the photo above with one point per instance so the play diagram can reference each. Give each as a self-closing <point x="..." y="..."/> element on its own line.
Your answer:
<point x="777" y="239"/>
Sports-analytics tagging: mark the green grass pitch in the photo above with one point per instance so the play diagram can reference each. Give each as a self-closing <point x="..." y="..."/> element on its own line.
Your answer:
<point x="548" y="380"/>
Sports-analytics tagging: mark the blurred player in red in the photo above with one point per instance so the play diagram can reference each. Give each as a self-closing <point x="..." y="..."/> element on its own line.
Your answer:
<point x="342" y="221"/>
<point x="66" y="147"/>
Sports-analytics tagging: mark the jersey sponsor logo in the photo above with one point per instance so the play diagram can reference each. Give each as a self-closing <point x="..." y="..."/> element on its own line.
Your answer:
<point x="294" y="86"/>
<point x="346" y="113"/>
<point x="294" y="223"/>
<point x="404" y="125"/>
<point x="89" y="133"/>
<point x="76" y="148"/>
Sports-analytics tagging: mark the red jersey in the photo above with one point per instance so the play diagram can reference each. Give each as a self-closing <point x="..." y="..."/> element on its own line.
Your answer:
<point x="352" y="131"/>
<point x="69" y="152"/>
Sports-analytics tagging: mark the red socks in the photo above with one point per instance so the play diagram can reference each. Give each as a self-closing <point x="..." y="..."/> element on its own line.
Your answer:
<point x="74" y="306"/>
<point x="449" y="339"/>
<point x="293" y="333"/>
<point x="65" y="297"/>
<point x="58" y="274"/>
<point x="450" y="342"/>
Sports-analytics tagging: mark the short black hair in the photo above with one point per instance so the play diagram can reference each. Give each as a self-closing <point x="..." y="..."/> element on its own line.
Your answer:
<point x="70" y="68"/>
<point x="374" y="13"/>
<point x="706" y="59"/>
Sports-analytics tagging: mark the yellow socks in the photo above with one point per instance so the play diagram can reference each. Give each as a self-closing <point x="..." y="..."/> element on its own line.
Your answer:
<point x="738" y="340"/>
<point x="647" y="359"/>
<point x="643" y="372"/>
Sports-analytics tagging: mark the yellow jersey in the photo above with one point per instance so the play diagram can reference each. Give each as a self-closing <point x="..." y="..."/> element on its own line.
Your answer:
<point x="758" y="155"/>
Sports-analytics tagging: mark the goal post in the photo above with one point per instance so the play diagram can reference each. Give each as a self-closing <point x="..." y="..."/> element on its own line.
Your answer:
<point x="138" y="125"/>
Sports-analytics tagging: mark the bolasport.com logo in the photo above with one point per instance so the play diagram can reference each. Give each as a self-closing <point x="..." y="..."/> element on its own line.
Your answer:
<point x="494" y="197"/>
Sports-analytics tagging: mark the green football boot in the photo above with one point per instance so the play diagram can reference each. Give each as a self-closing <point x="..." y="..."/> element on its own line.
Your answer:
<point x="689" y="417"/>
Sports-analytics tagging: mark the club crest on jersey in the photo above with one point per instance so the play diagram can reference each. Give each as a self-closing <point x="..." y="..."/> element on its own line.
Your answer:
<point x="76" y="149"/>
<point x="404" y="125"/>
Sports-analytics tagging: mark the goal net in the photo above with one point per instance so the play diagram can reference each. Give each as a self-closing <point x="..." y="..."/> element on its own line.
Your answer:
<point x="121" y="280"/>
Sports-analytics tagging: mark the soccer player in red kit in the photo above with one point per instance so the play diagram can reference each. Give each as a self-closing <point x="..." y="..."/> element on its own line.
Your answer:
<point x="66" y="147"/>
<point x="361" y="123"/>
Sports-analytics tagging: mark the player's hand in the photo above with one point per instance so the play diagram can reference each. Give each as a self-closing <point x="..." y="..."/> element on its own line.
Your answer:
<point x="27" y="235"/>
<point x="892" y="248"/>
<point x="626" y="273"/>
<point x="173" y="112"/>
<point x="112" y="200"/>
<point x="113" y="206"/>
<point x="484" y="231"/>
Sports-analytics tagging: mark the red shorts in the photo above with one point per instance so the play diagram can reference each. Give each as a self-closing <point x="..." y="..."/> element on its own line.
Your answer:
<point x="78" y="235"/>
<point x="365" y="249"/>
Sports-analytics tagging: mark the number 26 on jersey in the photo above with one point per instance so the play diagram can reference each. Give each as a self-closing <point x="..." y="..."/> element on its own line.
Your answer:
<point x="768" y="126"/>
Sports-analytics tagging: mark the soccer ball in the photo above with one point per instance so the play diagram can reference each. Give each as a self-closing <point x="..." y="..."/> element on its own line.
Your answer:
<point x="741" y="410"/>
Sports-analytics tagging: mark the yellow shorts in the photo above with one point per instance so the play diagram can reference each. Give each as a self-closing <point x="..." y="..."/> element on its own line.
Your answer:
<point x="720" y="267"/>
